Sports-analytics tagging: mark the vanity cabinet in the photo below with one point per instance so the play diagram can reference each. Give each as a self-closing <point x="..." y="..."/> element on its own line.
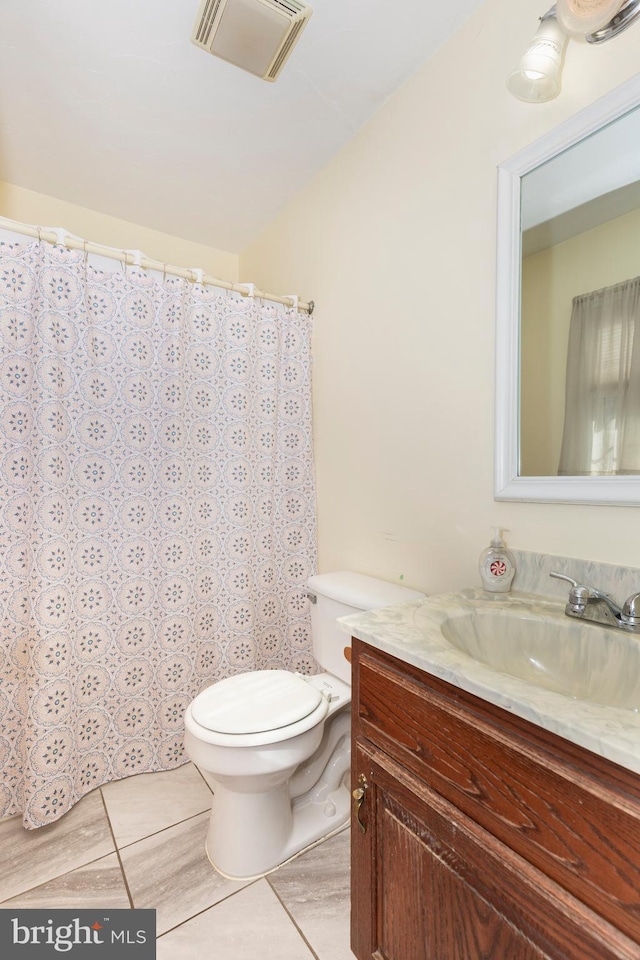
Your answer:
<point x="479" y="836"/>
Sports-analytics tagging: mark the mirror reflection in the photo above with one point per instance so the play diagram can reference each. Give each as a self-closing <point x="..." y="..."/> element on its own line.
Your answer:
<point x="580" y="308"/>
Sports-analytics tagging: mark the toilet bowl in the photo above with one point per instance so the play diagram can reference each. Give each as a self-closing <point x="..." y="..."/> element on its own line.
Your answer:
<point x="275" y="746"/>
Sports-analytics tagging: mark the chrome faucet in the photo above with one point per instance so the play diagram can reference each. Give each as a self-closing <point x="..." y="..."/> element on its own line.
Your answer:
<point x="590" y="604"/>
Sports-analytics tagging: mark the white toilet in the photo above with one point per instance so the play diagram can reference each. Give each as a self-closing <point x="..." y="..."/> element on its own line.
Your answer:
<point x="275" y="746"/>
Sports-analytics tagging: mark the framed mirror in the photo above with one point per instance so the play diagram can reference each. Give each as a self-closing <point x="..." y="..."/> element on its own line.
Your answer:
<point x="567" y="235"/>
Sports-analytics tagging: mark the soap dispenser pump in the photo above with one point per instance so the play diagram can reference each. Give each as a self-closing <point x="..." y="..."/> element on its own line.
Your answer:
<point x="497" y="566"/>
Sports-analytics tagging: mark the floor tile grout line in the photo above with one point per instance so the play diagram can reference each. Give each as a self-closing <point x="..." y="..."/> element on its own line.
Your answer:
<point x="156" y="833"/>
<point x="207" y="785"/>
<point x="117" y="849"/>
<point x="58" y="876"/>
<point x="292" y="919"/>
<point x="211" y="906"/>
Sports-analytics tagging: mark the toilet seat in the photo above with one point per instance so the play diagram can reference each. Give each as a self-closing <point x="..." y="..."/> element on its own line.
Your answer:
<point x="263" y="706"/>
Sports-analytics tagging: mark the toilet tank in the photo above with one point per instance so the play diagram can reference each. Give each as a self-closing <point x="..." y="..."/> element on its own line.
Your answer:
<point x="339" y="594"/>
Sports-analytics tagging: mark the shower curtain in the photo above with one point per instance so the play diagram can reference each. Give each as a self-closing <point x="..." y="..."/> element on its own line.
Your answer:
<point x="157" y="514"/>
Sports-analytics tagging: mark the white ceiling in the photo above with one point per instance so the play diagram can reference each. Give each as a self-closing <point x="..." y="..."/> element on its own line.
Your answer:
<point x="109" y="105"/>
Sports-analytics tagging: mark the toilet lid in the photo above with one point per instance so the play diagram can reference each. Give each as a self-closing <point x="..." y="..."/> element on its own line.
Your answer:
<point x="255" y="702"/>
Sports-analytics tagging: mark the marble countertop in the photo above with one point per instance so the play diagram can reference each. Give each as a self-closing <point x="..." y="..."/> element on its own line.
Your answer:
<point x="412" y="633"/>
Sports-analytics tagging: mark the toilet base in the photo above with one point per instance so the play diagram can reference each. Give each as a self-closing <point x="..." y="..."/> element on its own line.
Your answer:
<point x="313" y="822"/>
<point x="251" y="834"/>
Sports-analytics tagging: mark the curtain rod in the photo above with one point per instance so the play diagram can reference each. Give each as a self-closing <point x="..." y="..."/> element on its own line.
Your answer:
<point x="134" y="258"/>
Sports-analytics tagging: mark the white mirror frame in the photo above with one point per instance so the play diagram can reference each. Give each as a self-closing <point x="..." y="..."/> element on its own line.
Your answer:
<point x="509" y="485"/>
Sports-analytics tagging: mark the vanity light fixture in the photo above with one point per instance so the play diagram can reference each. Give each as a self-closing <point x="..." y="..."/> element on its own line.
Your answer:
<point x="537" y="77"/>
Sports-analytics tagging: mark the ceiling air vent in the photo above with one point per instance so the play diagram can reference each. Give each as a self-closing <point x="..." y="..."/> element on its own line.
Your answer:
<point x="256" y="35"/>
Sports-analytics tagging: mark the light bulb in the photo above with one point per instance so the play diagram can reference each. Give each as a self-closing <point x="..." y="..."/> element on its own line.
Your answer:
<point x="537" y="77"/>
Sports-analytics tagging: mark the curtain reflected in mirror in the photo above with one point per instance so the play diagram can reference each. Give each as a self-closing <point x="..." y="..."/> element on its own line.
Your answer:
<point x="602" y="410"/>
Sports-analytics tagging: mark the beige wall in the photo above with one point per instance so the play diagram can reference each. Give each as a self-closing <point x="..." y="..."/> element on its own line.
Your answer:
<point x="39" y="210"/>
<point x="395" y="241"/>
<point x="594" y="259"/>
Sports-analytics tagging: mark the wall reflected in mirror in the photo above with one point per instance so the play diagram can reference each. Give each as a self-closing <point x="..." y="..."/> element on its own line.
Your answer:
<point x="580" y="245"/>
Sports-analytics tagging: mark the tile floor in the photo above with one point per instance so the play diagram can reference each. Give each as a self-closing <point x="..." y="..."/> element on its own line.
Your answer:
<point x="140" y="843"/>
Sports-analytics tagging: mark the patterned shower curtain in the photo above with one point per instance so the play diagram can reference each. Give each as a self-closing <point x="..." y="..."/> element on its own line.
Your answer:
<point x="157" y="514"/>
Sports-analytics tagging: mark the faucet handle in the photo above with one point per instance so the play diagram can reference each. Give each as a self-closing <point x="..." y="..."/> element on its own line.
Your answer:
<point x="561" y="576"/>
<point x="578" y="595"/>
<point x="631" y="609"/>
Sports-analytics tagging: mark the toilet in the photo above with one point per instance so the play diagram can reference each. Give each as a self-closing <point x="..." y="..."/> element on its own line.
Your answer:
<point x="275" y="746"/>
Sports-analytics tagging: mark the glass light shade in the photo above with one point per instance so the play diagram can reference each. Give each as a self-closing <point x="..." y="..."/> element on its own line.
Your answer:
<point x="537" y="77"/>
<point x="579" y="17"/>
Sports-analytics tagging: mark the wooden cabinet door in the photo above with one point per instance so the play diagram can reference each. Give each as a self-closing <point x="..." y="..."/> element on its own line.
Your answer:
<point x="430" y="884"/>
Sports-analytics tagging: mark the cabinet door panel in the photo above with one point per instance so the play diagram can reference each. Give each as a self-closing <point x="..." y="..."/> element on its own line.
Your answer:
<point x="439" y="915"/>
<point x="405" y="876"/>
<point x="439" y="887"/>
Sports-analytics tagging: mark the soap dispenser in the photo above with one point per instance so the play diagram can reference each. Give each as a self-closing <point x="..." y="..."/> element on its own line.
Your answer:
<point x="497" y="566"/>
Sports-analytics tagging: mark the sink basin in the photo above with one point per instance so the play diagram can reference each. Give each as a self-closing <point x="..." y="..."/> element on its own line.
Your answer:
<point x="580" y="660"/>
